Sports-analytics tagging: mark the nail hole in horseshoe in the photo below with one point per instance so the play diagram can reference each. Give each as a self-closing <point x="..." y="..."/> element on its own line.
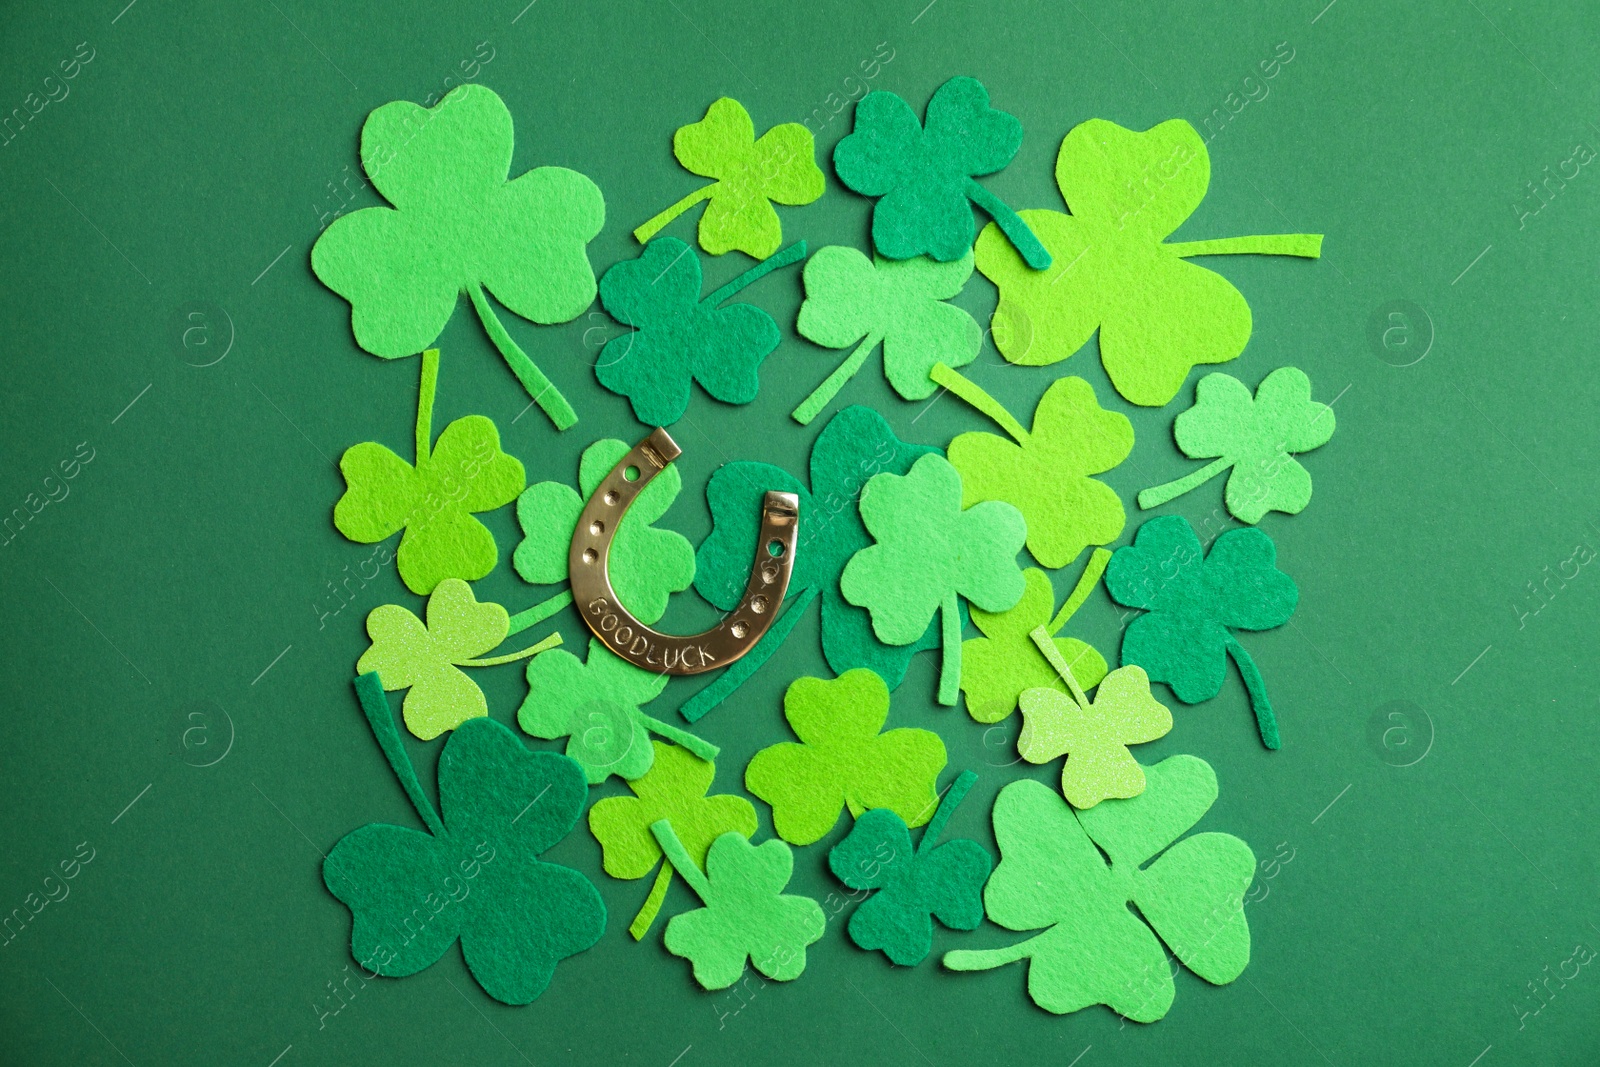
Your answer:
<point x="597" y="528"/>
<point x="631" y="473"/>
<point x="740" y="628"/>
<point x="775" y="548"/>
<point x="611" y="498"/>
<point x="759" y="605"/>
<point x="590" y="555"/>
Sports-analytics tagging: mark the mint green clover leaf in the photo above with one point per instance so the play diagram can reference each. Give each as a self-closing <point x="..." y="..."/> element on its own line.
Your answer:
<point x="747" y="915"/>
<point x="930" y="554"/>
<point x="475" y="876"/>
<point x="433" y="502"/>
<point x="1158" y="316"/>
<point x="924" y="175"/>
<point x="897" y="303"/>
<point x="750" y="175"/>
<point x="647" y="564"/>
<point x="1094" y="949"/>
<point x="458" y="226"/>
<point x="1193" y="602"/>
<point x="679" y="338"/>
<point x="1255" y="436"/>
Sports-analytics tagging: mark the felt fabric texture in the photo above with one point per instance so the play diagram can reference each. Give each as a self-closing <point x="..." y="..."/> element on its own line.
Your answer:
<point x="1094" y="949"/>
<point x="751" y="175"/>
<point x="913" y="888"/>
<point x="679" y="338"/>
<point x="999" y="666"/>
<point x="646" y="564"/>
<point x="1158" y="316"/>
<point x="897" y="303"/>
<point x="1193" y="602"/>
<point x="433" y="502"/>
<point x="458" y="226"/>
<point x="929" y="554"/>
<point x="1255" y="436"/>
<point x="426" y="659"/>
<point x="596" y="706"/>
<point x="843" y="761"/>
<point x="924" y="175"/>
<point x="476" y="876"/>
<point x="1046" y="473"/>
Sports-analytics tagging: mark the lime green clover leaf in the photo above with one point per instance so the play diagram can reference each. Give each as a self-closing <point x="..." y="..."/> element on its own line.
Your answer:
<point x="679" y="338"/>
<point x="930" y="554"/>
<point x="647" y="564"/>
<point x="750" y="175"/>
<point x="674" y="788"/>
<point x="595" y="705"/>
<point x="856" y="444"/>
<point x="1094" y="949"/>
<point x="1255" y="436"/>
<point x="1193" y="602"/>
<point x="426" y="659"/>
<point x="475" y="876"/>
<point x="925" y="175"/>
<point x="433" y="502"/>
<point x="914" y="888"/>
<point x="458" y="226"/>
<point x="899" y="303"/>
<point x="1157" y="315"/>
<point x="843" y="761"/>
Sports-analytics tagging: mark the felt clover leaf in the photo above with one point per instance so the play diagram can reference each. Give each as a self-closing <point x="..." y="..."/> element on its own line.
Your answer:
<point x="475" y="876"/>
<point x="1093" y="736"/>
<point x="458" y="226"/>
<point x="674" y="788"/>
<point x="929" y="554"/>
<point x="747" y="915"/>
<point x="426" y="659"/>
<point x="647" y="565"/>
<point x="1193" y="602"/>
<point x="1255" y="436"/>
<point x="925" y="175"/>
<point x="679" y="338"/>
<point x="595" y="705"/>
<point x="856" y="444"/>
<point x="1158" y="316"/>
<point x="897" y="303"/>
<point x="1094" y="949"/>
<point x="433" y="502"/>
<point x="944" y="882"/>
<point x="843" y="761"/>
<point x="750" y="175"/>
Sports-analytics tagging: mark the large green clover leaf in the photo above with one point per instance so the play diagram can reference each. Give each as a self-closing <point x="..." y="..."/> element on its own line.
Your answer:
<point x="1158" y="316"/>
<point x="1254" y="436"/>
<point x="1194" y="601"/>
<point x="842" y="760"/>
<point x="458" y="226"/>
<point x="930" y="554"/>
<point x="1094" y="949"/>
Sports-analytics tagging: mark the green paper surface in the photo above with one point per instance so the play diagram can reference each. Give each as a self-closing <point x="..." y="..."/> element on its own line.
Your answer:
<point x="997" y="667"/>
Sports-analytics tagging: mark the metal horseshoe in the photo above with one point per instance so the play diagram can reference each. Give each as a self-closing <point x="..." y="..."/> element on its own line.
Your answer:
<point x="631" y="639"/>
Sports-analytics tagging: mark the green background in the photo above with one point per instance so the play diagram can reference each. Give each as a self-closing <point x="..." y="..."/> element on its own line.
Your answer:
<point x="183" y="584"/>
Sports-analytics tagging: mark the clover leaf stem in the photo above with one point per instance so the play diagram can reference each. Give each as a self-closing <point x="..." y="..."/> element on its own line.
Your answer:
<point x="1266" y="721"/>
<point x="812" y="405"/>
<point x="427" y="388"/>
<point x="654" y="225"/>
<point x="1157" y="495"/>
<point x="1011" y="224"/>
<point x="741" y="669"/>
<point x="369" y="691"/>
<point x="967" y="959"/>
<point x="652" y="903"/>
<point x="950" y="667"/>
<point x="678" y="856"/>
<point x="693" y="742"/>
<point x="1080" y="592"/>
<point x="793" y="254"/>
<point x="539" y="612"/>
<point x="1063" y="669"/>
<point x="974" y="394"/>
<point x="541" y="389"/>
<point x="947" y="807"/>
<point x="533" y="650"/>
<point x="1304" y="245"/>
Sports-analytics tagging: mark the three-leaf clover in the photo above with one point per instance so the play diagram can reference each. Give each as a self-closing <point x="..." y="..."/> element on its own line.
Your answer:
<point x="943" y="882"/>
<point x="475" y="875"/>
<point x="433" y="502"/>
<point x="1094" y="949"/>
<point x="595" y="705"/>
<point x="750" y="174"/>
<point x="1256" y="437"/>
<point x="427" y="659"/>
<point x="843" y="761"/>
<point x="1194" y="601"/>
<point x="930" y="553"/>
<point x="674" y="788"/>
<point x="647" y="565"/>
<point x="458" y="226"/>
<point x="925" y="175"/>
<point x="899" y="303"/>
<point x="679" y="338"/>
<point x="1157" y="315"/>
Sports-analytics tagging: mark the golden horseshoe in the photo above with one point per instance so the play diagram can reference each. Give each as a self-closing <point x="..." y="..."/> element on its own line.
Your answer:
<point x="631" y="639"/>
